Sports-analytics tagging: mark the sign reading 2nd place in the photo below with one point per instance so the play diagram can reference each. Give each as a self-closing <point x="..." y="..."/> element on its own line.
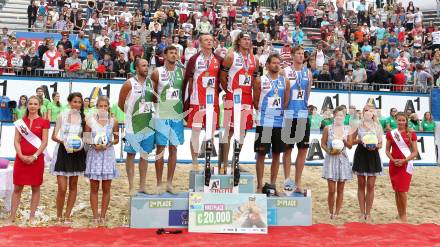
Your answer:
<point x="228" y="213"/>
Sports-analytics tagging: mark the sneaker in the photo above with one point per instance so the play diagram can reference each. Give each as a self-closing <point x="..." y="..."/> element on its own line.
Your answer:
<point x="289" y="186"/>
<point x="269" y="190"/>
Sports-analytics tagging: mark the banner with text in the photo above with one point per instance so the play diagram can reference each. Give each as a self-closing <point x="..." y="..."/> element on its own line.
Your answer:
<point x="425" y="142"/>
<point x="229" y="213"/>
<point x="419" y="103"/>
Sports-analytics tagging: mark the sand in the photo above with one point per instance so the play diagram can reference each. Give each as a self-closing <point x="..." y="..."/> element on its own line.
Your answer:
<point x="423" y="204"/>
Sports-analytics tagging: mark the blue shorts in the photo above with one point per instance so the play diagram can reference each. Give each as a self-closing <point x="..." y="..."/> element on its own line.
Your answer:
<point x="169" y="132"/>
<point x="136" y="143"/>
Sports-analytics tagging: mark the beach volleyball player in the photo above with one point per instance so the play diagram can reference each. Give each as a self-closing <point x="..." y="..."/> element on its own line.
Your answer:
<point x="239" y="70"/>
<point x="202" y="71"/>
<point x="136" y="99"/>
<point x="167" y="83"/>
<point x="297" y="125"/>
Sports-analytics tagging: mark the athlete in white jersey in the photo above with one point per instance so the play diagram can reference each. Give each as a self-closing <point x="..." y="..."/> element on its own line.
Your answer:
<point x="168" y="122"/>
<point x="297" y="126"/>
<point x="136" y="99"/>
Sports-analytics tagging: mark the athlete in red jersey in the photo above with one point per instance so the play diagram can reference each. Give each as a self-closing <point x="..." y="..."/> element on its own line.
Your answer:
<point x="239" y="70"/>
<point x="202" y="71"/>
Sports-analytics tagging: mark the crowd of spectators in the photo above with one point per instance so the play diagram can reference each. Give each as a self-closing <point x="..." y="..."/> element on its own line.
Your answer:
<point x="319" y="118"/>
<point x="357" y="43"/>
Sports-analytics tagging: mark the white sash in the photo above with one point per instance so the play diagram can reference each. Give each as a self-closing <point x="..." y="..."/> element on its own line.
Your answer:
<point x="403" y="147"/>
<point x="31" y="138"/>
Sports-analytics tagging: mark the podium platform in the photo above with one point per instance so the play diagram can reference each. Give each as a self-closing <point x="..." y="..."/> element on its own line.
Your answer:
<point x="294" y="210"/>
<point x="159" y="211"/>
<point x="246" y="185"/>
<point x="171" y="211"/>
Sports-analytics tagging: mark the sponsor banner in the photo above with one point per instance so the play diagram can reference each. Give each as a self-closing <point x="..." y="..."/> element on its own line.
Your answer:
<point x="178" y="218"/>
<point x="425" y="142"/>
<point x="37" y="38"/>
<point x="26" y="86"/>
<point x="419" y="103"/>
<point x="229" y="213"/>
<point x="159" y="211"/>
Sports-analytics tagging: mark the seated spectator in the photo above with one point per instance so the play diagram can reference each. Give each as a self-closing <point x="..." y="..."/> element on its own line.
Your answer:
<point x="107" y="63"/>
<point x="428" y="125"/>
<point x="51" y="59"/>
<point x="123" y="48"/>
<point x="204" y="26"/>
<point x="107" y="48"/>
<point x="65" y="42"/>
<point x="315" y="119"/>
<point x="422" y="79"/>
<point x="73" y="64"/>
<point x="83" y="45"/>
<point x="359" y="75"/>
<point x="39" y="24"/>
<point x="121" y="67"/>
<point x="102" y="37"/>
<point x="399" y="79"/>
<point x="381" y="76"/>
<point x="137" y="49"/>
<point x="89" y="65"/>
<point x="325" y="77"/>
<point x="414" y="122"/>
<point x="31" y="62"/>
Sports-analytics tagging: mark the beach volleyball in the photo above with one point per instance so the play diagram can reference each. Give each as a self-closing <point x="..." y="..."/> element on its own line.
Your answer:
<point x="73" y="144"/>
<point x="100" y="140"/>
<point x="370" y="141"/>
<point x="336" y="146"/>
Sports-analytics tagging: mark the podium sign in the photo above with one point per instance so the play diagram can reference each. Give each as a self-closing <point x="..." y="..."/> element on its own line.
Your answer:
<point x="227" y="213"/>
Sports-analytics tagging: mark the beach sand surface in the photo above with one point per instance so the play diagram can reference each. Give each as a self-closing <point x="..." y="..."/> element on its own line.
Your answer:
<point x="423" y="202"/>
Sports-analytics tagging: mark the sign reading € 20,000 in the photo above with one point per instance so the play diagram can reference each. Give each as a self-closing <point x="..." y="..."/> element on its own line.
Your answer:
<point x="229" y="213"/>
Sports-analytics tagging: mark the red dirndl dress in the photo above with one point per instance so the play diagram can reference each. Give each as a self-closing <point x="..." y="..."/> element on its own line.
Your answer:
<point x="400" y="178"/>
<point x="31" y="174"/>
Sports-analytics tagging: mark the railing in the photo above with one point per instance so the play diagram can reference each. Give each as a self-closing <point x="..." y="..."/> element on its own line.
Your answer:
<point x="56" y="73"/>
<point x="349" y="86"/>
<point x="370" y="87"/>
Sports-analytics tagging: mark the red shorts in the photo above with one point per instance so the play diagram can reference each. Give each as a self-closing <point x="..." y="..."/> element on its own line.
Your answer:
<point x="197" y="118"/>
<point x="247" y="112"/>
<point x="183" y="18"/>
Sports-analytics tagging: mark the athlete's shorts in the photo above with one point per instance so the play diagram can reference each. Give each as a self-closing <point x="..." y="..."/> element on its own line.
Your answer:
<point x="197" y="117"/>
<point x="274" y="140"/>
<point x="169" y="132"/>
<point x="146" y="143"/>
<point x="291" y="126"/>
<point x="247" y="112"/>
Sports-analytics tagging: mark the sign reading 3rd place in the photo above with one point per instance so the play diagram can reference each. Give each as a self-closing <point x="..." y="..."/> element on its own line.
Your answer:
<point x="229" y="213"/>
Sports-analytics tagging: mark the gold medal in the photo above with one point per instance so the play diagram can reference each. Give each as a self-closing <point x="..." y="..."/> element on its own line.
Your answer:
<point x="207" y="73"/>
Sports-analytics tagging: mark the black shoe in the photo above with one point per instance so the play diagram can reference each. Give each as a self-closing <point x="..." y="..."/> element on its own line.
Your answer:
<point x="269" y="190"/>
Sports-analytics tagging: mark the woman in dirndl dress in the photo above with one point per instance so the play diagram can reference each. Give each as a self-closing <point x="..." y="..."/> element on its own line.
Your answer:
<point x="336" y="168"/>
<point x="69" y="156"/>
<point x="367" y="164"/>
<point x="103" y="131"/>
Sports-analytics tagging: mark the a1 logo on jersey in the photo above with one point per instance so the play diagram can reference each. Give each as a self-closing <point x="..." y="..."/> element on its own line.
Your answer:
<point x="266" y="84"/>
<point x="244" y="80"/>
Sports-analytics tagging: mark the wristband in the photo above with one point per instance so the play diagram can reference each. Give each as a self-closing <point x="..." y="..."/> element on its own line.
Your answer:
<point x="35" y="156"/>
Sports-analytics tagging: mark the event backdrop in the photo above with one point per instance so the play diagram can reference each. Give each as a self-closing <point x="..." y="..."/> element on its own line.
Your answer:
<point x="383" y="100"/>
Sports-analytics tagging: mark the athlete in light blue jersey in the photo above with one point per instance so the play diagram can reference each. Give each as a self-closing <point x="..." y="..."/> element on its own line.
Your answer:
<point x="297" y="125"/>
<point x="270" y="99"/>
